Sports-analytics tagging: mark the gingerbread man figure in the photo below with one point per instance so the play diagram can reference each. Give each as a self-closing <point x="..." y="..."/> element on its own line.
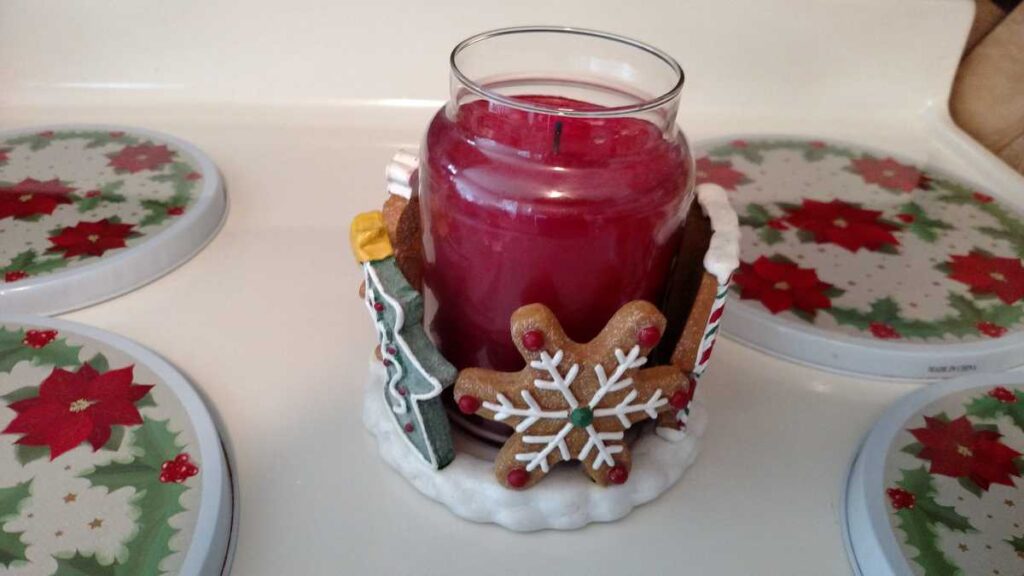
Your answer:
<point x="574" y="401"/>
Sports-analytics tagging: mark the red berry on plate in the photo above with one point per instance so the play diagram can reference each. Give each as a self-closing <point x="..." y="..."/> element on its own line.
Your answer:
<point x="908" y="218"/>
<point x="175" y="211"/>
<point x="900" y="498"/>
<point x="469" y="404"/>
<point x="1003" y="395"/>
<point x="14" y="276"/>
<point x="990" y="329"/>
<point x="533" y="340"/>
<point x="517" y="477"/>
<point x="39" y="338"/>
<point x="378" y="306"/>
<point x="648" y="337"/>
<point x="182" y="458"/>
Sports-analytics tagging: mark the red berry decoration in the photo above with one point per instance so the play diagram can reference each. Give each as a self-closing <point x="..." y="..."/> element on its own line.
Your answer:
<point x="679" y="400"/>
<point x="92" y="194"/>
<point x="175" y="211"/>
<point x="408" y="428"/>
<point x="983" y="198"/>
<point x="618" y="475"/>
<point x="908" y="218"/>
<point x="193" y="176"/>
<point x="648" y="337"/>
<point x="518" y="477"/>
<point x="990" y="329"/>
<point x="533" y="340"/>
<point x="883" y="331"/>
<point x="469" y="404"/>
<point x="14" y="276"/>
<point x="38" y="338"/>
<point x="901" y="499"/>
<point x="402" y="390"/>
<point x="1003" y="395"/>
<point x="378" y="306"/>
<point x="392" y="351"/>
<point x="178" y="469"/>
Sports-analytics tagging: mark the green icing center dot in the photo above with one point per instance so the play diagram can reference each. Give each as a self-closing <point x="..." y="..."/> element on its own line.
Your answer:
<point x="581" y="417"/>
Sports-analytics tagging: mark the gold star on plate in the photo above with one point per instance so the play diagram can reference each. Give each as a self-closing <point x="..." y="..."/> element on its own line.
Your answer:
<point x="963" y="547"/>
<point x="68" y="467"/>
<point x="71" y="497"/>
<point x="96" y="523"/>
<point x="58" y="533"/>
<point x="1009" y="503"/>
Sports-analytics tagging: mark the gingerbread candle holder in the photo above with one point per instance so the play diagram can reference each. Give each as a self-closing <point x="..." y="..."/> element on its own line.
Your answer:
<point x="571" y="296"/>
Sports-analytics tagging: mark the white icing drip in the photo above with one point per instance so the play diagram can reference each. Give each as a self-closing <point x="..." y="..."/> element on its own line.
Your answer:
<point x="723" y="255"/>
<point x="504" y="409"/>
<point x="595" y="440"/>
<point x="557" y="382"/>
<point x="634" y="360"/>
<point x="400" y="406"/>
<point x="399" y="173"/>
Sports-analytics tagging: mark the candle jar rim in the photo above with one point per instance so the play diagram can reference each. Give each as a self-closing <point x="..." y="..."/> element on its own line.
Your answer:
<point x="489" y="94"/>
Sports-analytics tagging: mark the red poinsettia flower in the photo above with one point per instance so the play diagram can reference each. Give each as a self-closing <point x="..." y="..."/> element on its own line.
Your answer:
<point x="76" y="407"/>
<point x="843" y="224"/>
<point x="721" y="173"/>
<point x="958" y="450"/>
<point x="142" y="157"/>
<point x="90" y="238"/>
<point x="30" y="197"/>
<point x="986" y="274"/>
<point x="889" y="173"/>
<point x="781" y="286"/>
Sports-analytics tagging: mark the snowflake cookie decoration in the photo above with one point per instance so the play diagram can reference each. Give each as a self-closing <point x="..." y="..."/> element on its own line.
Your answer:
<point x="574" y="401"/>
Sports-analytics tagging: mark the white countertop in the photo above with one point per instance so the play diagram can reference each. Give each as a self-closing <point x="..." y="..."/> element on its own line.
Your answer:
<point x="267" y="323"/>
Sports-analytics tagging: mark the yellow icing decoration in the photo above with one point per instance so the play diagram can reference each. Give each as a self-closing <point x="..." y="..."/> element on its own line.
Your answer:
<point x="369" y="237"/>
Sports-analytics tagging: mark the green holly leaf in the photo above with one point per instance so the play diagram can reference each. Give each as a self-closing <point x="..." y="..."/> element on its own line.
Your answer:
<point x="849" y="317"/>
<point x="965" y="308"/>
<point x="884" y="310"/>
<point x="988" y="407"/>
<point x="918" y="523"/>
<point x="757" y="215"/>
<point x="1017" y="542"/>
<point x="813" y="154"/>
<point x="29" y="263"/>
<point x="912" y="449"/>
<point x="12" y="499"/>
<point x="770" y="236"/>
<point x="833" y="292"/>
<point x="99" y="363"/>
<point x="153" y="443"/>
<point x="13" y="351"/>
<point x="805" y="236"/>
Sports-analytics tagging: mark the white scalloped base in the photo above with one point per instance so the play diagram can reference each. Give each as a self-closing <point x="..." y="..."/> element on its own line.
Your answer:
<point x="565" y="500"/>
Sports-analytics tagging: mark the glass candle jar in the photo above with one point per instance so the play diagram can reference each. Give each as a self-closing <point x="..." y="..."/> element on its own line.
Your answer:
<point x="554" y="174"/>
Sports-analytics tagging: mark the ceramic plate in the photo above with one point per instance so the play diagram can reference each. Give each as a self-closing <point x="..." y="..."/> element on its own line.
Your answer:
<point x="858" y="260"/>
<point x="937" y="487"/>
<point x="91" y="212"/>
<point x="109" y="461"/>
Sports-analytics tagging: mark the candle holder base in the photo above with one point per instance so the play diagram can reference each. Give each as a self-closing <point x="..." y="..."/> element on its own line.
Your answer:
<point x="468" y="488"/>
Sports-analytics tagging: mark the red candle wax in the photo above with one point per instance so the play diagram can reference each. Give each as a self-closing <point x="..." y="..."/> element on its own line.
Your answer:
<point x="581" y="214"/>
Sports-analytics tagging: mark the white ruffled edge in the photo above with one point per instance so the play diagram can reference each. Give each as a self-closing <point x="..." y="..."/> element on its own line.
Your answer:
<point x="565" y="500"/>
<point x="723" y="255"/>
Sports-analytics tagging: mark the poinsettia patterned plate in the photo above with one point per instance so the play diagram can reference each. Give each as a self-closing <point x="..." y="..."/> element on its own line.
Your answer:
<point x="91" y="212"/>
<point x="937" y="489"/>
<point x="857" y="260"/>
<point x="109" y="462"/>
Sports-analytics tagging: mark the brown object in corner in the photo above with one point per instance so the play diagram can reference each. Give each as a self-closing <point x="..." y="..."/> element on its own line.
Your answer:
<point x="402" y="219"/>
<point x="684" y="356"/>
<point x="987" y="99"/>
<point x="684" y="287"/>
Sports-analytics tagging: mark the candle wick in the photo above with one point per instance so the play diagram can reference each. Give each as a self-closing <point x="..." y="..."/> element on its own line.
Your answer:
<point x="557" y="144"/>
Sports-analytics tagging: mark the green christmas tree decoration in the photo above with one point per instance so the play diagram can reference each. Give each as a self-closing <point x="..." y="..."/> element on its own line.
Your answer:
<point x="12" y="549"/>
<point x="416" y="372"/>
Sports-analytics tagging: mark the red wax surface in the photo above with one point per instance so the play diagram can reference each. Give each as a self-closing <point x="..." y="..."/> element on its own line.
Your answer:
<point x="579" y="214"/>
